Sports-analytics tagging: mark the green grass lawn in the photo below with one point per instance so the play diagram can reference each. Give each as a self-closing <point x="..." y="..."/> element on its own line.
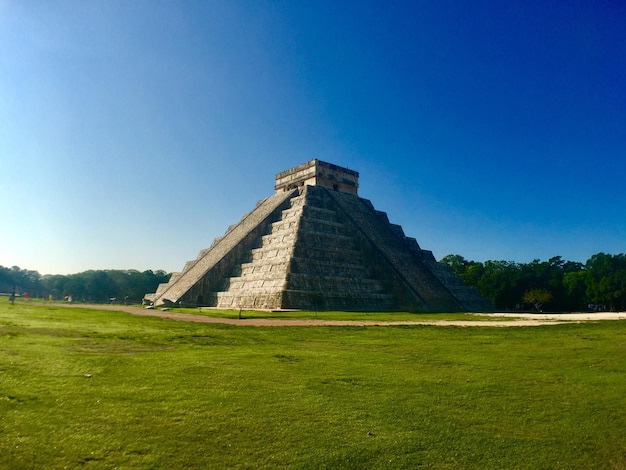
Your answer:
<point x="100" y="389"/>
<point x="330" y="315"/>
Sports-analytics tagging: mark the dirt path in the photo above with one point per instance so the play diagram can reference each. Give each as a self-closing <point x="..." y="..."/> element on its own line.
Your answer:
<point x="515" y="319"/>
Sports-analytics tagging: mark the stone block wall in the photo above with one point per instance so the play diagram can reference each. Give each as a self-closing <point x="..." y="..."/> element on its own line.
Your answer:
<point x="318" y="173"/>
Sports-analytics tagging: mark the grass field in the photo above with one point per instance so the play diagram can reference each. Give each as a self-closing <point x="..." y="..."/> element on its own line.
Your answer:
<point x="95" y="389"/>
<point x="330" y="315"/>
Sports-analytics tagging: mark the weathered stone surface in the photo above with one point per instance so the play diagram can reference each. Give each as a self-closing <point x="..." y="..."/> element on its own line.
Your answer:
<point x="318" y="173"/>
<point x="316" y="245"/>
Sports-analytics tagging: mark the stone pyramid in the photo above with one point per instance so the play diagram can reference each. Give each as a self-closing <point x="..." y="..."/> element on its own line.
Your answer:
<point x="316" y="245"/>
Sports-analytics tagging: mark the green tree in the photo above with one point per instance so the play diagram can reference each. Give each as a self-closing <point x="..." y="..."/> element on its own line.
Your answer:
<point x="456" y="263"/>
<point x="500" y="282"/>
<point x="575" y="285"/>
<point x="23" y="280"/>
<point x="607" y="280"/>
<point x="121" y="285"/>
<point x="537" y="297"/>
<point x="469" y="271"/>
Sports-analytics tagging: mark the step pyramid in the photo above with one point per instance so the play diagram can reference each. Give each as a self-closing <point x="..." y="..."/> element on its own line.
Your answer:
<point x="316" y="245"/>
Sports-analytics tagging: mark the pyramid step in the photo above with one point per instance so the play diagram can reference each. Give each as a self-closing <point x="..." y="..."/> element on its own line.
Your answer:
<point x="412" y="244"/>
<point x="310" y="300"/>
<point x="328" y="253"/>
<point x="317" y="199"/>
<point x="252" y="284"/>
<point x="161" y="287"/>
<point x="296" y="203"/>
<point x="278" y="238"/>
<point x="285" y="225"/>
<point x="345" y="295"/>
<point x="255" y="300"/>
<point x="328" y="284"/>
<point x="291" y="213"/>
<point x="249" y="268"/>
<point x="298" y="199"/>
<point x="272" y="254"/>
<point x="331" y="266"/>
<point x="175" y="277"/>
<point x="206" y="250"/>
<point x="323" y="226"/>
<point x="189" y="264"/>
<point x="259" y="276"/>
<point x="321" y="213"/>
<point x="397" y="229"/>
<point x="322" y="239"/>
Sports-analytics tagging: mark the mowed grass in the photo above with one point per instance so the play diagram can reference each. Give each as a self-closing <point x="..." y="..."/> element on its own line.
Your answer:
<point x="99" y="389"/>
<point x="331" y="315"/>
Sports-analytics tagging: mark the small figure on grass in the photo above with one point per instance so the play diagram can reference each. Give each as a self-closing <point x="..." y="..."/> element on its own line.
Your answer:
<point x="12" y="296"/>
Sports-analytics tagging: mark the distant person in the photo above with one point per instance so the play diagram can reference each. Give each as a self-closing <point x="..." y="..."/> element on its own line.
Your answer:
<point x="12" y="296"/>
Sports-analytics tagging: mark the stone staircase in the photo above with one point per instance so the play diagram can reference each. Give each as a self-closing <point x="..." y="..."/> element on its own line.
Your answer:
<point x="258" y="282"/>
<point x="308" y="260"/>
<point x="194" y="284"/>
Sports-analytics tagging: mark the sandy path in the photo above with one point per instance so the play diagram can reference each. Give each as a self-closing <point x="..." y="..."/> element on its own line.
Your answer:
<point x="515" y="319"/>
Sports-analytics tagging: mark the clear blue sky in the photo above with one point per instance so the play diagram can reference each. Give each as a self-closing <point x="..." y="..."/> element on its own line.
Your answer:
<point x="133" y="133"/>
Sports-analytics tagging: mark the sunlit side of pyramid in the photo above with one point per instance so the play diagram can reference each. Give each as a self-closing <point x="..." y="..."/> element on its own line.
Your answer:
<point x="316" y="245"/>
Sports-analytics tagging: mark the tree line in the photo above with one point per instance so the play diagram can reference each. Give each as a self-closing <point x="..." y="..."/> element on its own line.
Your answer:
<point x="557" y="285"/>
<point x="101" y="286"/>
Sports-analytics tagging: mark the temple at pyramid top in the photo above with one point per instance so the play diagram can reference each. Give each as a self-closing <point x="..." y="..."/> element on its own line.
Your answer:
<point x="316" y="245"/>
<point x="318" y="173"/>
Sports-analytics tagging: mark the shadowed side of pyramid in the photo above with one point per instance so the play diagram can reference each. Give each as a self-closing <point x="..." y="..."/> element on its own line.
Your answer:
<point x="317" y="245"/>
<point x="433" y="283"/>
